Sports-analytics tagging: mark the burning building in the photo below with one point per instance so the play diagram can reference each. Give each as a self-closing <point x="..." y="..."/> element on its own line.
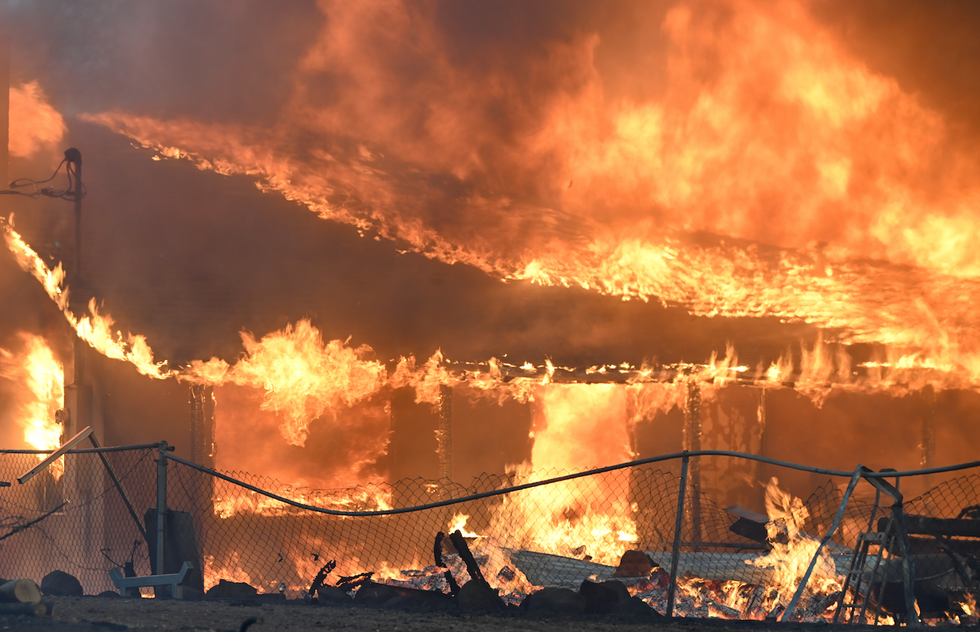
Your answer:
<point x="566" y="236"/>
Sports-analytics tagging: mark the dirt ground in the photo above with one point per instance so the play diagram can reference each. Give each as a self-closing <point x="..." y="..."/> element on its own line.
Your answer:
<point x="104" y="614"/>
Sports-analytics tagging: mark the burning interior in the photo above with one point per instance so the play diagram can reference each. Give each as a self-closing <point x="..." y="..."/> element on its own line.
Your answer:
<point x="541" y="241"/>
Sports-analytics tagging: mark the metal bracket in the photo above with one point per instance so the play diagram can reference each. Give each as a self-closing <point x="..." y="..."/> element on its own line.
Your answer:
<point x="126" y="584"/>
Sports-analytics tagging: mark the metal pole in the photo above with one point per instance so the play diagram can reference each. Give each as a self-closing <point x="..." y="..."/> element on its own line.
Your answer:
<point x="74" y="166"/>
<point x="74" y="158"/>
<point x="161" y="504"/>
<point x="813" y="560"/>
<point x="908" y="565"/>
<point x="675" y="553"/>
<point x="119" y="487"/>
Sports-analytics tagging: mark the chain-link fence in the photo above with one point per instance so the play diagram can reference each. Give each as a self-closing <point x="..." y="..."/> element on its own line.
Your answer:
<point x="71" y="516"/>
<point x="854" y="549"/>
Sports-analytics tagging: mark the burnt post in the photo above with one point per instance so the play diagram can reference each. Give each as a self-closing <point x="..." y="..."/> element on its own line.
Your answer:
<point x="74" y="159"/>
<point x="693" y="418"/>
<point x="78" y="395"/>
<point x="161" y="504"/>
<point x="444" y="436"/>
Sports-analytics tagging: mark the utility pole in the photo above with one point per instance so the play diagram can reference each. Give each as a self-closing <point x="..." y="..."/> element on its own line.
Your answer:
<point x="74" y="158"/>
<point x="78" y="395"/>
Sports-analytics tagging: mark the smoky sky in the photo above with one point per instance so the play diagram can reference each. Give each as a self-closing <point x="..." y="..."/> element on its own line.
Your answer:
<point x="191" y="259"/>
<point x="216" y="61"/>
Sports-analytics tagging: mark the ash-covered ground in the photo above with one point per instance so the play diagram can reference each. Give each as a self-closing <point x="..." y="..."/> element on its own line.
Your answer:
<point x="106" y="614"/>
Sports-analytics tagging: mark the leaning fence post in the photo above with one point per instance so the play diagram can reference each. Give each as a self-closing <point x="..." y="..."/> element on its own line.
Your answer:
<point x="858" y="473"/>
<point x="161" y="503"/>
<point x="675" y="552"/>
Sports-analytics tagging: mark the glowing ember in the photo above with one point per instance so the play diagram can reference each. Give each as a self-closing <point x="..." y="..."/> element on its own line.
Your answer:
<point x="41" y="394"/>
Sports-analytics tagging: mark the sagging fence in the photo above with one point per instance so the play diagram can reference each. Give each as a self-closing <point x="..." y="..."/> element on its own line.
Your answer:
<point x="855" y="548"/>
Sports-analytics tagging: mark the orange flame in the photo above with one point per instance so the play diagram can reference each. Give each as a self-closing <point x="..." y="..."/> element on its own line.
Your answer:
<point x="42" y="394"/>
<point x="301" y="376"/>
<point x="94" y="328"/>
<point x="790" y="560"/>
<point x="762" y="128"/>
<point x="34" y="124"/>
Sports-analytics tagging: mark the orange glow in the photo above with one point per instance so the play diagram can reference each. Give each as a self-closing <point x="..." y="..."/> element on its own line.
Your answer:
<point x="35" y="126"/>
<point x="458" y="523"/>
<point x="94" y="328"/>
<point x="824" y="177"/>
<point x="41" y="394"/>
<point x="302" y="377"/>
<point x="790" y="560"/>
<point x="578" y="426"/>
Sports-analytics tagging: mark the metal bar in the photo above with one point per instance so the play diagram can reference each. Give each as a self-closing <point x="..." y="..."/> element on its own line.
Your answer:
<point x="161" y="504"/>
<point x="119" y="487"/>
<point x="123" y="448"/>
<point x="908" y="564"/>
<point x="550" y="481"/>
<point x="57" y="454"/>
<point x="676" y="551"/>
<point x="858" y="473"/>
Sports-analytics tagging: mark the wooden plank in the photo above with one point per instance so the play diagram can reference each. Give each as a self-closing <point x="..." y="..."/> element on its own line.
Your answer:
<point x="54" y="456"/>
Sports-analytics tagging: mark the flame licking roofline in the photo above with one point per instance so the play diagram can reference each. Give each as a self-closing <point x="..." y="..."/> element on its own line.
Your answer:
<point x="789" y="140"/>
<point x="303" y="377"/>
<point x="94" y="328"/>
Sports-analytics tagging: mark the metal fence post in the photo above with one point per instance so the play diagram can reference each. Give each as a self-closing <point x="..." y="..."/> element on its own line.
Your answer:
<point x="858" y="473"/>
<point x="161" y="504"/>
<point x="675" y="553"/>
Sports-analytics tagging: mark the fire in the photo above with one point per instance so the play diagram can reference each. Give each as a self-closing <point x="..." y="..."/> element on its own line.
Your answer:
<point x="302" y="377"/>
<point x="41" y="395"/>
<point x="790" y="560"/>
<point x="969" y="604"/>
<point x="34" y="124"/>
<point x="231" y="570"/>
<point x="824" y="176"/>
<point x="458" y="523"/>
<point x="94" y="328"/>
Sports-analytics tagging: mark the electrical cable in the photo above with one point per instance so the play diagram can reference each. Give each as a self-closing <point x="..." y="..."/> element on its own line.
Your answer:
<point x="49" y="191"/>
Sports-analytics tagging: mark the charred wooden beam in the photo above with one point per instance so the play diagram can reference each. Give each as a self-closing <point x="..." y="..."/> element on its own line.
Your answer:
<point x="322" y="576"/>
<point x="464" y="552"/>
<point x="437" y="551"/>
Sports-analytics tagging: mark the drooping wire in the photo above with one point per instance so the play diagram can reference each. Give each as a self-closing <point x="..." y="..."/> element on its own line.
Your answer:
<point x="49" y="191"/>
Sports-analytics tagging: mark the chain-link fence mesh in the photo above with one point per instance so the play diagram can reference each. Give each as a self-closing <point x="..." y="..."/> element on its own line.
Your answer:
<point x="526" y="530"/>
<point x="83" y="526"/>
